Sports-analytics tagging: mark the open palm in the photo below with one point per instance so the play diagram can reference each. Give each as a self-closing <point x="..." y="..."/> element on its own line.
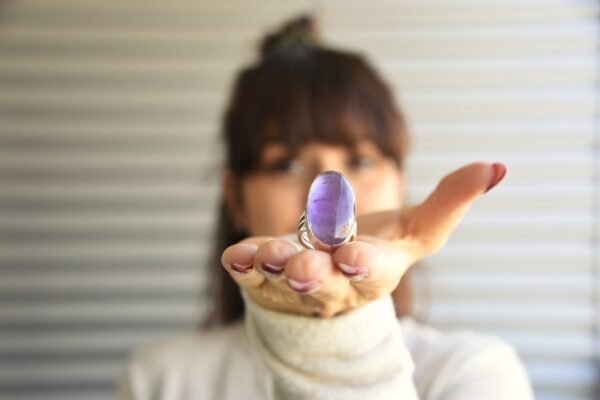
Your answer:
<point x="282" y="275"/>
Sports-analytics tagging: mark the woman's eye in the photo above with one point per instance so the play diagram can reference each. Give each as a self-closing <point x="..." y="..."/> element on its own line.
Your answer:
<point x="284" y="165"/>
<point x="360" y="161"/>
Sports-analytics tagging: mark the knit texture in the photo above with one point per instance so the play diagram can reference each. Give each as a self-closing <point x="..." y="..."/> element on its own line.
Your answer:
<point x="358" y="355"/>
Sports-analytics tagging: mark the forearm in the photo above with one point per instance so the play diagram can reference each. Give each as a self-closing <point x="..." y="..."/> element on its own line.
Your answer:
<point x="358" y="355"/>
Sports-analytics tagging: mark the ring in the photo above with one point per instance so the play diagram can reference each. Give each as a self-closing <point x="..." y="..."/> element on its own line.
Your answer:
<point x="329" y="219"/>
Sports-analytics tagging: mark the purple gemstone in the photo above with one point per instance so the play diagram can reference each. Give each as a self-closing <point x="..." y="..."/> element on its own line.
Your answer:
<point x="330" y="208"/>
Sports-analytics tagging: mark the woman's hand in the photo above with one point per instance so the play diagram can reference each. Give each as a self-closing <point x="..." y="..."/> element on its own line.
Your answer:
<point x="283" y="275"/>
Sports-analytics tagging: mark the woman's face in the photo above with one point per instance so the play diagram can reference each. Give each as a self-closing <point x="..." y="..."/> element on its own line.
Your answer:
<point x="274" y="198"/>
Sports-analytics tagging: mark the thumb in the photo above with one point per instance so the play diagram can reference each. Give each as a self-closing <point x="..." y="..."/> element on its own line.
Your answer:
<point x="432" y="221"/>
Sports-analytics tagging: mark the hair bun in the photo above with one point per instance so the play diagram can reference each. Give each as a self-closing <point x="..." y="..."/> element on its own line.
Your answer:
<point x="297" y="34"/>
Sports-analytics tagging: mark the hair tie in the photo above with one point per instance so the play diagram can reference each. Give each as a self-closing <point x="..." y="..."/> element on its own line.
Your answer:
<point x="295" y="37"/>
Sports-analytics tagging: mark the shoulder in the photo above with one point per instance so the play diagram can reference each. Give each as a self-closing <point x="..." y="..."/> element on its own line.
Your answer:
<point x="187" y="347"/>
<point x="166" y="367"/>
<point x="462" y="363"/>
<point x="430" y="345"/>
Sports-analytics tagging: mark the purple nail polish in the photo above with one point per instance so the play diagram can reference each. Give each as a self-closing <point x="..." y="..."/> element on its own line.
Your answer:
<point x="303" y="287"/>
<point x="271" y="268"/>
<point x="499" y="173"/>
<point x="243" y="268"/>
<point x="353" y="273"/>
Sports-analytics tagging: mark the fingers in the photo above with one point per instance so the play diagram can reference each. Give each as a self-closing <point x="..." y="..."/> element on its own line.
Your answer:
<point x="272" y="256"/>
<point x="433" y="220"/>
<point x="282" y="271"/>
<point x="283" y="275"/>
<point x="359" y="260"/>
<point x="367" y="268"/>
<point x="373" y="267"/>
<point x="420" y="230"/>
<point x="256" y="260"/>
<point x="321" y="285"/>
<point x="238" y="260"/>
<point x="309" y="271"/>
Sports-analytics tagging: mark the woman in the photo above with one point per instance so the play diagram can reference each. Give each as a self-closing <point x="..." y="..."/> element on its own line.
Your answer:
<point x="327" y="323"/>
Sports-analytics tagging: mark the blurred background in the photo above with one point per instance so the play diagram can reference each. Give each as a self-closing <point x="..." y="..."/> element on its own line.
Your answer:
<point x="110" y="160"/>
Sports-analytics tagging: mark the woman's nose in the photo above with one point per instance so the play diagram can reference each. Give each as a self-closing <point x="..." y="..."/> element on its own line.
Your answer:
<point x="329" y="164"/>
<point x="310" y="177"/>
<point x="313" y="173"/>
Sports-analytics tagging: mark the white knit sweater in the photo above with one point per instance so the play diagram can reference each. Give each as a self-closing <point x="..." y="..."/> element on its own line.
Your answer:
<point x="366" y="354"/>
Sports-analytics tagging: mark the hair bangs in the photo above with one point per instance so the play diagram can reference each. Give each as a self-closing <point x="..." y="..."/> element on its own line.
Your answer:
<point x="328" y="97"/>
<point x="328" y="102"/>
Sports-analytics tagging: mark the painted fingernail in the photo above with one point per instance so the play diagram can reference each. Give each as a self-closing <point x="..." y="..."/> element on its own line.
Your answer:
<point x="353" y="273"/>
<point x="272" y="268"/>
<point x="303" y="287"/>
<point x="499" y="173"/>
<point x="243" y="268"/>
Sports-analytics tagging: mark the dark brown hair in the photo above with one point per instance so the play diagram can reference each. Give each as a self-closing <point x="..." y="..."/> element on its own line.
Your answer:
<point x="300" y="91"/>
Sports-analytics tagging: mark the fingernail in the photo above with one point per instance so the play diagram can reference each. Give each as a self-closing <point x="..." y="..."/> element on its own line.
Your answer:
<point x="499" y="172"/>
<point x="354" y="273"/>
<point x="243" y="268"/>
<point x="271" y="268"/>
<point x="304" y="287"/>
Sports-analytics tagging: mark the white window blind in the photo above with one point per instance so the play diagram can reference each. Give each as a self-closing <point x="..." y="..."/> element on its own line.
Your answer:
<point x="109" y="156"/>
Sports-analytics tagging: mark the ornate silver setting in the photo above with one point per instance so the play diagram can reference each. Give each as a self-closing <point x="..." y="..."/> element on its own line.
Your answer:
<point x="310" y="241"/>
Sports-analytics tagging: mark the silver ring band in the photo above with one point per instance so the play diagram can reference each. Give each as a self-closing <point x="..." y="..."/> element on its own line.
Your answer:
<point x="310" y="241"/>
